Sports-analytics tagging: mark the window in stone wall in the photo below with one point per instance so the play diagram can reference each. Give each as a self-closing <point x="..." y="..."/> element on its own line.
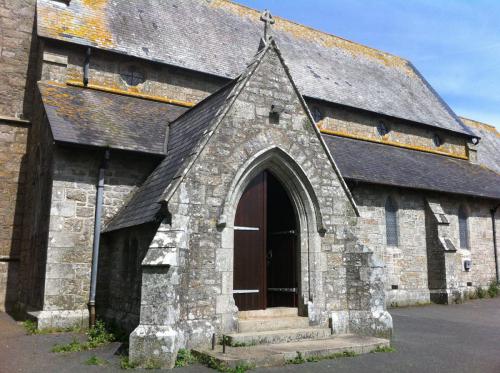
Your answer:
<point x="382" y="129"/>
<point x="463" y="227"/>
<point x="391" y="222"/>
<point x="438" y="141"/>
<point x="132" y="75"/>
<point x="317" y="114"/>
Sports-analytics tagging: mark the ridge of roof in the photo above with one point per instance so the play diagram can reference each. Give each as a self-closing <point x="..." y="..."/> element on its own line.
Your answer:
<point x="307" y="32"/>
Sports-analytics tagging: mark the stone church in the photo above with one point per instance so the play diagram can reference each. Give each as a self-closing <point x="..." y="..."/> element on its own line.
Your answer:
<point x="175" y="166"/>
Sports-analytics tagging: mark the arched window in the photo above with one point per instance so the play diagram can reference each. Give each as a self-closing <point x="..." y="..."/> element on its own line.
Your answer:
<point x="463" y="228"/>
<point x="391" y="222"/>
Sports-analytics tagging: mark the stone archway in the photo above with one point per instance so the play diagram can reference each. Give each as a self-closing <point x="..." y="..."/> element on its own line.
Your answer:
<point x="309" y="224"/>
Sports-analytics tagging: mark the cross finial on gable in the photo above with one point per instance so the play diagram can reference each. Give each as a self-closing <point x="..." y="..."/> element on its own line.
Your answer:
<point x="268" y="20"/>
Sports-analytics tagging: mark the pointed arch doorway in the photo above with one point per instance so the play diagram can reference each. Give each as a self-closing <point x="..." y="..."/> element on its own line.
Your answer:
<point x="265" y="246"/>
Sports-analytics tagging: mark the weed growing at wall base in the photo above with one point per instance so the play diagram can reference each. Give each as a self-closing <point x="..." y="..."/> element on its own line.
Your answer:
<point x="493" y="289"/>
<point x="96" y="336"/>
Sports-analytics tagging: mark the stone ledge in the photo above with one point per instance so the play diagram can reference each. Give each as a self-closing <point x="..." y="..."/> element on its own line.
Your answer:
<point x="279" y="354"/>
<point x="60" y="318"/>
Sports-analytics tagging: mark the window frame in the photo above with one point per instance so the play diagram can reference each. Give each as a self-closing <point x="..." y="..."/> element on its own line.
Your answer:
<point x="463" y="228"/>
<point x="391" y="235"/>
<point x="134" y="73"/>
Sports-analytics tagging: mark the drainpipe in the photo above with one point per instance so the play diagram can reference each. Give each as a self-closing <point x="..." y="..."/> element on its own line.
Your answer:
<point x="86" y="66"/>
<point x="97" y="237"/>
<point x="495" y="249"/>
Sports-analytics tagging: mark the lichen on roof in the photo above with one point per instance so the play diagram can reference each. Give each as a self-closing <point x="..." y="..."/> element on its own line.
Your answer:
<point x="316" y="36"/>
<point x="90" y="24"/>
<point x="480" y="125"/>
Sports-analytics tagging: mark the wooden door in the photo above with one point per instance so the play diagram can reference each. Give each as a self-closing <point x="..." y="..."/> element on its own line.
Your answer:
<point x="249" y="279"/>
<point x="281" y="247"/>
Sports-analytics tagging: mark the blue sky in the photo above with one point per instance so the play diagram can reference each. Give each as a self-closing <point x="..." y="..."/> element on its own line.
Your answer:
<point x="454" y="43"/>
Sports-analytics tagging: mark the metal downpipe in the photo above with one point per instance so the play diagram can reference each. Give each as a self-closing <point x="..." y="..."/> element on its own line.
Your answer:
<point x="97" y="237"/>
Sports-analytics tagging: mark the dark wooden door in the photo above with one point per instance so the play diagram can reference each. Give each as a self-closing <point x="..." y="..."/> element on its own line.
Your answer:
<point x="265" y="257"/>
<point x="249" y="286"/>
<point x="281" y="262"/>
<point x="281" y="247"/>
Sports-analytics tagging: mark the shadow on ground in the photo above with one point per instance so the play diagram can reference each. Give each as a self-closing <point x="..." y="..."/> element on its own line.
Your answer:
<point x="456" y="338"/>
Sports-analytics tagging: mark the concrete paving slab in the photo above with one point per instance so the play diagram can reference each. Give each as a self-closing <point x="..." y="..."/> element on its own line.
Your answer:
<point x="279" y="354"/>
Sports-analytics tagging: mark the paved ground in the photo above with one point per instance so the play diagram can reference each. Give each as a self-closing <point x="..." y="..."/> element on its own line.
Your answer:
<point x="459" y="338"/>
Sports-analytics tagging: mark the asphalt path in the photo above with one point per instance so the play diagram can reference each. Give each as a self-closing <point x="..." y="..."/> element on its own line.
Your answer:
<point x="455" y="338"/>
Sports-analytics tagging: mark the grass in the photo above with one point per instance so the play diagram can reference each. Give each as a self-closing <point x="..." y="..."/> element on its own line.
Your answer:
<point x="126" y="364"/>
<point x="217" y="365"/>
<point x="31" y="329"/>
<point x="96" y="336"/>
<point x="383" y="349"/>
<point x="184" y="358"/>
<point x="480" y="292"/>
<point x="94" y="360"/>
<point x="299" y="359"/>
<point x="493" y="289"/>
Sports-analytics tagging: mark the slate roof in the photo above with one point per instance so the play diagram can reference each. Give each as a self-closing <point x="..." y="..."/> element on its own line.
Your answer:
<point x="184" y="135"/>
<point x="89" y="117"/>
<point x="488" y="150"/>
<point x="382" y="164"/>
<point x="218" y="37"/>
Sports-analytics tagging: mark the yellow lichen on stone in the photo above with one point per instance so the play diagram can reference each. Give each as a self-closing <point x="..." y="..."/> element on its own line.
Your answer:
<point x="322" y="38"/>
<point x="91" y="24"/>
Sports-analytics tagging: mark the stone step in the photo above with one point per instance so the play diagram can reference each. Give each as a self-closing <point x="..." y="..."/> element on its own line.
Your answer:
<point x="276" y="336"/>
<point x="266" y="324"/>
<point x="281" y="353"/>
<point x="269" y="312"/>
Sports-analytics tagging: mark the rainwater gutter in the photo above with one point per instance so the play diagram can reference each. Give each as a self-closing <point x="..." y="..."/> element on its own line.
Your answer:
<point x="97" y="237"/>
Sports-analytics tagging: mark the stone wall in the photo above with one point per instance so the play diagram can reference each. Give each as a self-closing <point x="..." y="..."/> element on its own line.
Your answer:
<point x="17" y="57"/>
<point x="188" y="270"/>
<point x="71" y="225"/>
<point x="17" y="68"/>
<point x="64" y="63"/>
<point x="360" y="124"/>
<point x="119" y="280"/>
<point x="13" y="137"/>
<point x="419" y="261"/>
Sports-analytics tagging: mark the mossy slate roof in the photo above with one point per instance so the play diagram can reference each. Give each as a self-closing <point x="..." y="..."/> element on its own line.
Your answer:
<point x="388" y="165"/>
<point x="89" y="117"/>
<point x="184" y="135"/>
<point x="488" y="150"/>
<point x="219" y="37"/>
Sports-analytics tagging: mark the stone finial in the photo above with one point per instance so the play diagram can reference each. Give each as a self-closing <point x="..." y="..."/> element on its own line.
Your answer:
<point x="268" y="20"/>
